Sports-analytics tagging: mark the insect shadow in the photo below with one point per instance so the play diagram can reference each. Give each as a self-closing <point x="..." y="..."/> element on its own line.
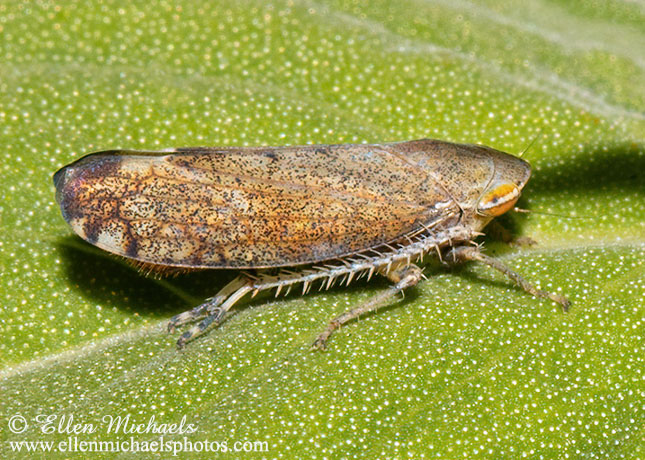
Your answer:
<point x="610" y="167"/>
<point x="111" y="281"/>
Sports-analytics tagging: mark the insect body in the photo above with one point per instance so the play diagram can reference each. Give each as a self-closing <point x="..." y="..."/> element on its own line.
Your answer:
<point x="293" y="215"/>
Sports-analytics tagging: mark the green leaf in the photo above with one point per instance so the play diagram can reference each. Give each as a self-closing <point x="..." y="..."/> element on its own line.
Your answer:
<point x="467" y="365"/>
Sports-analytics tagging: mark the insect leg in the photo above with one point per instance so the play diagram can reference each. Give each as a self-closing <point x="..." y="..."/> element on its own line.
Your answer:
<point x="215" y="314"/>
<point x="404" y="277"/>
<point x="498" y="231"/>
<point x="203" y="309"/>
<point x="214" y="310"/>
<point x="464" y="253"/>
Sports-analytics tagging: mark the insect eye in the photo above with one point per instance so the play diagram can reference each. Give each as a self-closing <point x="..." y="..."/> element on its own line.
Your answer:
<point x="497" y="201"/>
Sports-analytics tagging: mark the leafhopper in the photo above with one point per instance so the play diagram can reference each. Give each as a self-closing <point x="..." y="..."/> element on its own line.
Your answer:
<point x="293" y="216"/>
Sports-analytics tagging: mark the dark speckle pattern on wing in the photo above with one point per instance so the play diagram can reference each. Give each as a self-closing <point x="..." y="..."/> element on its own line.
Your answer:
<point x="265" y="207"/>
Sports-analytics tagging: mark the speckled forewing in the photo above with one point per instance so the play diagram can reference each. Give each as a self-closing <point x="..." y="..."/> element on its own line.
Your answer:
<point x="257" y="207"/>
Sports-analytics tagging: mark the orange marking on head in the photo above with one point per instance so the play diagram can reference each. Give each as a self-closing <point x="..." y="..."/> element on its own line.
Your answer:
<point x="499" y="200"/>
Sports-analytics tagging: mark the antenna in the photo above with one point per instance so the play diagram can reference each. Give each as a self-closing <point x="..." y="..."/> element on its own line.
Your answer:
<point x="539" y="133"/>
<point x="529" y="211"/>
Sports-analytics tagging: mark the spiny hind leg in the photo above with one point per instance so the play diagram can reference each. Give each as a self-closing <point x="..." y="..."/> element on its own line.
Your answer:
<point x="209" y="306"/>
<point x="465" y="253"/>
<point x="404" y="277"/>
<point x="213" y="312"/>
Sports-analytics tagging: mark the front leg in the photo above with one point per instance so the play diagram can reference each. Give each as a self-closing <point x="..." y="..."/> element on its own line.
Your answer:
<point x="465" y="253"/>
